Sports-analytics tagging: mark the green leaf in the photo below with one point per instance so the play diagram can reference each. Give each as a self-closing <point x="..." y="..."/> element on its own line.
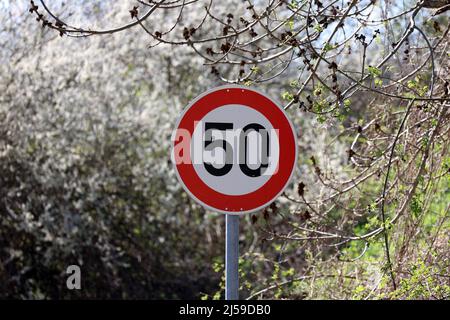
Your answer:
<point x="374" y="71"/>
<point x="378" y="82"/>
<point x="347" y="103"/>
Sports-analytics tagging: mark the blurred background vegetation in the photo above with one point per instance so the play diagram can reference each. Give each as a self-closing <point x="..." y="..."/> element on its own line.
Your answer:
<point x="86" y="178"/>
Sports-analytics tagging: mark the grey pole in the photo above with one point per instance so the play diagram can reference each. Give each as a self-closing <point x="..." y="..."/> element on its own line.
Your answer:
<point x="232" y="257"/>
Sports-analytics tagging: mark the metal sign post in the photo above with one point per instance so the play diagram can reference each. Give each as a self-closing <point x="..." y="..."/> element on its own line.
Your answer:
<point x="232" y="257"/>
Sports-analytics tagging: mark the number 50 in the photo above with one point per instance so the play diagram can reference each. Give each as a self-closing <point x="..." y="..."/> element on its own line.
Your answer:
<point x="210" y="145"/>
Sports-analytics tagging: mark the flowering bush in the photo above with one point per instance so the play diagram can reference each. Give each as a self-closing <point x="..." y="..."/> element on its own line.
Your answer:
<point x="91" y="92"/>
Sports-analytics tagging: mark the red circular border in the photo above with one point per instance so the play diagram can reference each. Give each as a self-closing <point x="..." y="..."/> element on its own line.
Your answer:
<point x="267" y="192"/>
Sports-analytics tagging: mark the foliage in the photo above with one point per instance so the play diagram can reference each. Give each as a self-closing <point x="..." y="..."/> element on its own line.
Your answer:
<point x="86" y="114"/>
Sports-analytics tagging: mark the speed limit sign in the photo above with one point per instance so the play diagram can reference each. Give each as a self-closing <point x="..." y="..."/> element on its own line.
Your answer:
<point x="234" y="149"/>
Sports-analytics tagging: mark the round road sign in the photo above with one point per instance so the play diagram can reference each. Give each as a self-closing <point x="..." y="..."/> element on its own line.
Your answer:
<point x="234" y="149"/>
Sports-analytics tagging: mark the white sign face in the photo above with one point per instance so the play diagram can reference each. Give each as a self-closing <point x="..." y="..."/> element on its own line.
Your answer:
<point x="251" y="146"/>
<point x="228" y="153"/>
